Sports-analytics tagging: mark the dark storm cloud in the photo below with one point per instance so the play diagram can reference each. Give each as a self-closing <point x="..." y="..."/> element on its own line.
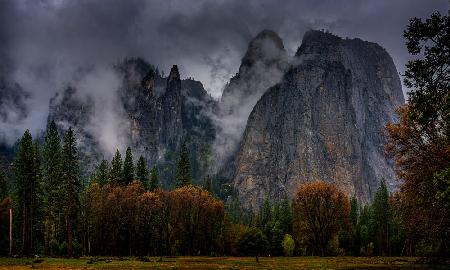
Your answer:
<point x="44" y="42"/>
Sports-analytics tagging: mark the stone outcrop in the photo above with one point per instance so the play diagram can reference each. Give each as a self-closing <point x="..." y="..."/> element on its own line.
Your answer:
<point x="321" y="122"/>
<point x="157" y="114"/>
<point x="262" y="66"/>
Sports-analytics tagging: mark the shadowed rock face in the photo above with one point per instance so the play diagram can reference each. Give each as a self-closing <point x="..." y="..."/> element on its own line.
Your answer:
<point x="321" y="122"/>
<point x="157" y="115"/>
<point x="262" y="66"/>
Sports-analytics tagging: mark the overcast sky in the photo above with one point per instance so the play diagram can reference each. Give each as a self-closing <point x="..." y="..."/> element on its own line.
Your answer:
<point x="44" y="42"/>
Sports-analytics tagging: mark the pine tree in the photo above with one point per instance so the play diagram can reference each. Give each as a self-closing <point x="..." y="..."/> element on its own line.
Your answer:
<point x="101" y="176"/>
<point x="51" y="182"/>
<point x="4" y="191"/>
<point x="128" y="168"/>
<point x="183" y="172"/>
<point x="276" y="239"/>
<point x="286" y="216"/>
<point x="354" y="228"/>
<point x="27" y="175"/>
<point x="208" y="185"/>
<point x="354" y="211"/>
<point x="381" y="217"/>
<point x="71" y="185"/>
<point x="266" y="214"/>
<point x="142" y="172"/>
<point x="154" y="179"/>
<point x="115" y="174"/>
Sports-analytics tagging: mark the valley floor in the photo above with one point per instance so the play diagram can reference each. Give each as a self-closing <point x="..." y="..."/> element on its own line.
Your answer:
<point x="221" y="263"/>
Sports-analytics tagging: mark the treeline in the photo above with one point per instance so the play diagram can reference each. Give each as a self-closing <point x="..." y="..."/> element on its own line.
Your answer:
<point x="321" y="220"/>
<point x="121" y="212"/>
<point x="124" y="212"/>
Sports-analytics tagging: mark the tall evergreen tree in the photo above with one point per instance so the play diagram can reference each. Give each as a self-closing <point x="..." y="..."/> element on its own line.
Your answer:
<point x="115" y="174"/>
<point x="51" y="182"/>
<point x="286" y="216"/>
<point x="128" y="168"/>
<point x="154" y="179"/>
<point x="27" y="175"/>
<point x="183" y="172"/>
<point x="381" y="217"/>
<point x="101" y="176"/>
<point x="208" y="185"/>
<point x="354" y="230"/>
<point x="354" y="211"/>
<point x="4" y="190"/>
<point x="71" y="185"/>
<point x="276" y="239"/>
<point x="142" y="172"/>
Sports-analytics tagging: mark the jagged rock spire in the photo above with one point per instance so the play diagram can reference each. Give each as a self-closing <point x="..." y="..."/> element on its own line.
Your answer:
<point x="148" y="82"/>
<point x="174" y="74"/>
<point x="267" y="47"/>
<point x="174" y="81"/>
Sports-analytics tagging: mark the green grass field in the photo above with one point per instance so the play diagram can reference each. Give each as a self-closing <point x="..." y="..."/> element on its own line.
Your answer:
<point x="220" y="263"/>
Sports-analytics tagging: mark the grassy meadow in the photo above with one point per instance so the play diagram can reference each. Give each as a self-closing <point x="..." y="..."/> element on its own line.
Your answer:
<point x="220" y="263"/>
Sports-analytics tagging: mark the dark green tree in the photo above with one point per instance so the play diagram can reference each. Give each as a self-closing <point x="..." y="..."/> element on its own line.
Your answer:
<point x="4" y="190"/>
<point x="442" y="181"/>
<point x="354" y="211"/>
<point x="183" y="172"/>
<point x="381" y="218"/>
<point x="286" y="216"/>
<point x="253" y="243"/>
<point x="71" y="185"/>
<point x="51" y="183"/>
<point x="142" y="172"/>
<point x="276" y="239"/>
<point x="366" y="233"/>
<point x="128" y="168"/>
<point x="154" y="179"/>
<point x="115" y="174"/>
<point x="101" y="175"/>
<point x="265" y="217"/>
<point x="428" y="77"/>
<point x="27" y="182"/>
<point x="208" y="185"/>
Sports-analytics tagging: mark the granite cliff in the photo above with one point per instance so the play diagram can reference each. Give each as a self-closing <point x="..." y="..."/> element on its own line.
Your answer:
<point x="154" y="116"/>
<point x="321" y="122"/>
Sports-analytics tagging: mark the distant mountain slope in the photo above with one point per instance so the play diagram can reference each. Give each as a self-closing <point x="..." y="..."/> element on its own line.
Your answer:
<point x="151" y="114"/>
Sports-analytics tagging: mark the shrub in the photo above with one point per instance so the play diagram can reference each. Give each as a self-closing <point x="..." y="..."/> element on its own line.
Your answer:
<point x="253" y="243"/>
<point x="288" y="245"/>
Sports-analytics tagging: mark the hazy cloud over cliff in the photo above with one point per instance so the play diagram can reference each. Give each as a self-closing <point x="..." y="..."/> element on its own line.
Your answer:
<point x="43" y="43"/>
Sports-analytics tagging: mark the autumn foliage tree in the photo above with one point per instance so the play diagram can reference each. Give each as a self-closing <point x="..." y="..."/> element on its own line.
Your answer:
<point x="320" y="211"/>
<point x="127" y="220"/>
<point x="420" y="142"/>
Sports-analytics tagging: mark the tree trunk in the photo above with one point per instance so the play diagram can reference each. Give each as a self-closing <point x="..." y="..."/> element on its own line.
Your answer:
<point x="69" y="238"/>
<point x="10" y="231"/>
<point x="46" y="237"/>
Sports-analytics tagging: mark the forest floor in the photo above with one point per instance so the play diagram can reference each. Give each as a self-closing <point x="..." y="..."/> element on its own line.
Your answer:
<point x="232" y="263"/>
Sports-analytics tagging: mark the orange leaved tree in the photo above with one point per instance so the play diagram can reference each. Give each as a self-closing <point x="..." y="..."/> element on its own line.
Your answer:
<point x="320" y="211"/>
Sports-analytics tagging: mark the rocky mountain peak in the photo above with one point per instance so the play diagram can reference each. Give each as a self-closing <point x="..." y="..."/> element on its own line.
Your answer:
<point x="148" y="82"/>
<point x="174" y="74"/>
<point x="318" y="39"/>
<point x="321" y="122"/>
<point x="174" y="81"/>
<point x="267" y="47"/>
<point x="263" y="65"/>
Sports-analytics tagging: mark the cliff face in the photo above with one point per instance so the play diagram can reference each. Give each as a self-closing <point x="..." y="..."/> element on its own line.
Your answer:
<point x="321" y="122"/>
<point x="156" y="114"/>
<point x="262" y="66"/>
